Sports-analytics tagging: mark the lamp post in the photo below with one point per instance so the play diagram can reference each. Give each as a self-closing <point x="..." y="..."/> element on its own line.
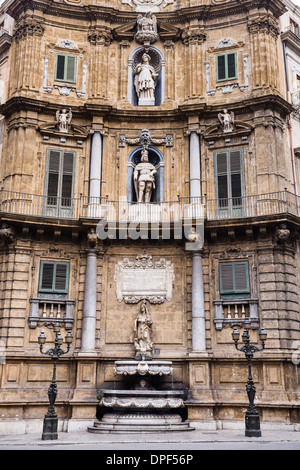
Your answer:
<point x="252" y="421"/>
<point x="51" y="419"/>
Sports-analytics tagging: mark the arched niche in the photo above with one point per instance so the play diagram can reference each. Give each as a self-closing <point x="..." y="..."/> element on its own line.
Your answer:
<point x="158" y="62"/>
<point x="157" y="159"/>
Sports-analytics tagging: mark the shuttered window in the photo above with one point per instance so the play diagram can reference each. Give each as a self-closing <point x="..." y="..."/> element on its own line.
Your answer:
<point x="229" y="177"/>
<point x="65" y="69"/>
<point x="54" y="278"/>
<point x="234" y="280"/>
<point x="60" y="178"/>
<point x="226" y="67"/>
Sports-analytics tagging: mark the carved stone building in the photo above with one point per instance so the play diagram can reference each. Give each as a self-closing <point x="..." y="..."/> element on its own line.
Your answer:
<point x="195" y="91"/>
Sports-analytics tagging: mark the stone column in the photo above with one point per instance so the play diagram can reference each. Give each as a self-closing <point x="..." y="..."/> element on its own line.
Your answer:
<point x="95" y="175"/>
<point x="90" y="301"/>
<point x="198" y="310"/>
<point x="195" y="170"/>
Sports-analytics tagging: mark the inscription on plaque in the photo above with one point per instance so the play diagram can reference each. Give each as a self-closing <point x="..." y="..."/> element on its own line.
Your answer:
<point x="144" y="279"/>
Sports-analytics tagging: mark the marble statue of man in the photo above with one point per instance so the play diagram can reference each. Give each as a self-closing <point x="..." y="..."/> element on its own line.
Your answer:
<point x="142" y="330"/>
<point x="144" y="179"/>
<point x="63" y="118"/>
<point x="145" y="81"/>
<point x="227" y="120"/>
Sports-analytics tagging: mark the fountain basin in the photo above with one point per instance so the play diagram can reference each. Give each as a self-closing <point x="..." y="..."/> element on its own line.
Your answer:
<point x="160" y="368"/>
<point x="142" y="399"/>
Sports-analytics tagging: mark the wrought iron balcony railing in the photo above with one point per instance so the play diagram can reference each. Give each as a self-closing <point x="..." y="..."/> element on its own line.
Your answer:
<point x="262" y="205"/>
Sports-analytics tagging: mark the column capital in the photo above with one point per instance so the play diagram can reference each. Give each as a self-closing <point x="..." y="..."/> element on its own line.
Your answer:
<point x="92" y="251"/>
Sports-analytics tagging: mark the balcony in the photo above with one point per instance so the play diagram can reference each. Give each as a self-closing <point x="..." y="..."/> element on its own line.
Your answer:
<point x="236" y="312"/>
<point x="50" y="311"/>
<point x="26" y="206"/>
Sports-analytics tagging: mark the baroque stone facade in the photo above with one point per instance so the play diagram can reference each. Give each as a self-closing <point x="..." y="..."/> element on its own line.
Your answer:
<point x="216" y="246"/>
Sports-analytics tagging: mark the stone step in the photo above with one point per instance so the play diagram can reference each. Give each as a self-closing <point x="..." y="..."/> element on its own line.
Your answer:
<point x="135" y="423"/>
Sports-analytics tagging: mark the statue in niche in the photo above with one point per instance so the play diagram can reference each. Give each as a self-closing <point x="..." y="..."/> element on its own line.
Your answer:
<point x="145" y="81"/>
<point x="227" y="120"/>
<point x="142" y="330"/>
<point x="144" y="179"/>
<point x="63" y="118"/>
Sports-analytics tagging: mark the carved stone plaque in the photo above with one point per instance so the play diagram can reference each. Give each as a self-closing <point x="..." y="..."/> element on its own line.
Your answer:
<point x="144" y="279"/>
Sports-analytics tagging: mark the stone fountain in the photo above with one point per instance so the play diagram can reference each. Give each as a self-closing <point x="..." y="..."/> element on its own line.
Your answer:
<point x="143" y="404"/>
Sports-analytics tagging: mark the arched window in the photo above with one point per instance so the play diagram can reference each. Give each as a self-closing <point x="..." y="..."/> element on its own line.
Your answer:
<point x="157" y="159"/>
<point x="157" y="61"/>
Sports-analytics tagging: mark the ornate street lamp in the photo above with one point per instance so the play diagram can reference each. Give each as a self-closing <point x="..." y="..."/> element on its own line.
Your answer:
<point x="51" y="419"/>
<point x="252" y="421"/>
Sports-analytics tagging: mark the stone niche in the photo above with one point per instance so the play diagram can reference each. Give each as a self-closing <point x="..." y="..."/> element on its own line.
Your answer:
<point x="157" y="280"/>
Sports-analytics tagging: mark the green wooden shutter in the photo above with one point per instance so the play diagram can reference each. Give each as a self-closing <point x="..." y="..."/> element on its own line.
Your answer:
<point x="236" y="177"/>
<point x="229" y="177"/>
<point x="53" y="177"/>
<point x="60" y="178"/>
<point x="67" y="178"/>
<point x="231" y="66"/>
<point x="60" y="282"/>
<point x="234" y="279"/>
<point x="54" y="278"/>
<point x="65" y="69"/>
<point x="60" y="67"/>
<point x="222" y="178"/>
<point x="226" y="66"/>
<point x="221" y="70"/>
<point x="47" y="272"/>
<point x="70" y="69"/>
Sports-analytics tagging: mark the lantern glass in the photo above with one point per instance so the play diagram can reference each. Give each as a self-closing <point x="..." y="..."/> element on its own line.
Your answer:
<point x="42" y="338"/>
<point x="69" y="337"/>
<point x="56" y="327"/>
<point x="235" y="334"/>
<point x="262" y="335"/>
<point x="59" y="339"/>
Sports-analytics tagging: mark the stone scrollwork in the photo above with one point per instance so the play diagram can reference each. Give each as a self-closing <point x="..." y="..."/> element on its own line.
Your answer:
<point x="145" y="139"/>
<point x="136" y="402"/>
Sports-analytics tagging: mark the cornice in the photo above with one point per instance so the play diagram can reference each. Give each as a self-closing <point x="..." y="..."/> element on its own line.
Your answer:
<point x="218" y="8"/>
<point x="90" y="110"/>
<point x="292" y="41"/>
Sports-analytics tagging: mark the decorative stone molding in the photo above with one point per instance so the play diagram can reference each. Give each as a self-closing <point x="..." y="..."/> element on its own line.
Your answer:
<point x="101" y="36"/>
<point x="146" y="29"/>
<point x="145" y="139"/>
<point x="29" y="29"/>
<point x="144" y="279"/>
<point x="193" y="36"/>
<point x="264" y="24"/>
<point x="7" y="234"/>
<point x="64" y="90"/>
<point x="141" y="403"/>
<point x="67" y="44"/>
<point x="144" y="6"/>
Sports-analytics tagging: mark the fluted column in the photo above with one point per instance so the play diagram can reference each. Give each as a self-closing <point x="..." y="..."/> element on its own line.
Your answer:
<point x="88" y="337"/>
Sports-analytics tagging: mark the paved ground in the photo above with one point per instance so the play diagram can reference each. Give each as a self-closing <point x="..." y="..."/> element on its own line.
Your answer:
<point x="115" y="444"/>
